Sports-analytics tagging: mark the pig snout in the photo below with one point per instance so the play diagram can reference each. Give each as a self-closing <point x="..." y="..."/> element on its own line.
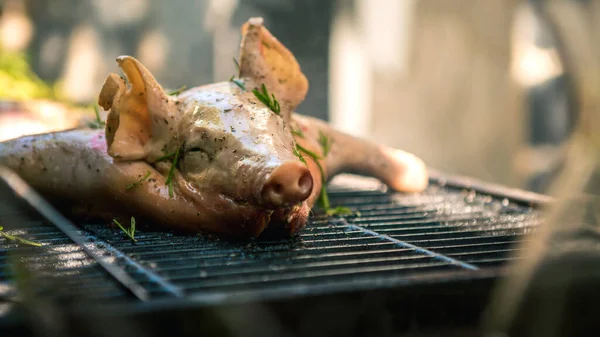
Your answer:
<point x="289" y="183"/>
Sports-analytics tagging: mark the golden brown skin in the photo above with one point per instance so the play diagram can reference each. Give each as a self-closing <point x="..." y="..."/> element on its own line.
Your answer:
<point x="237" y="172"/>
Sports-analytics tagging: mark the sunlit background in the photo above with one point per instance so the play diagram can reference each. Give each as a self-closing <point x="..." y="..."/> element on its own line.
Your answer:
<point x="473" y="87"/>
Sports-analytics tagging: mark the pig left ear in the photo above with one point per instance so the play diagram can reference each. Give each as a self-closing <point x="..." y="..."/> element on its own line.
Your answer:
<point x="140" y="113"/>
<point x="264" y="60"/>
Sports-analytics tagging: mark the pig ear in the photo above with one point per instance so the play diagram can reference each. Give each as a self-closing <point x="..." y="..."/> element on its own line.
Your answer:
<point x="264" y="60"/>
<point x="139" y="113"/>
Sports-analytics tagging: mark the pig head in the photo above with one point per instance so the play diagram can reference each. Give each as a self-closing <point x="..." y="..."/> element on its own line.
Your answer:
<point x="224" y="151"/>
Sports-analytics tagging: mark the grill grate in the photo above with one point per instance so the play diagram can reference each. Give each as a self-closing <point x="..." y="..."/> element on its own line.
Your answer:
<point x="398" y="238"/>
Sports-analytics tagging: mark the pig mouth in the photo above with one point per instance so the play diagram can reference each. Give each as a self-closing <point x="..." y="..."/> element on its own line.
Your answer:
<point x="290" y="220"/>
<point x="273" y="222"/>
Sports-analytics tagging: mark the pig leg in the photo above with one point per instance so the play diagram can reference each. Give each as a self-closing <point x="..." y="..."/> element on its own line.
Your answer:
<point x="400" y="170"/>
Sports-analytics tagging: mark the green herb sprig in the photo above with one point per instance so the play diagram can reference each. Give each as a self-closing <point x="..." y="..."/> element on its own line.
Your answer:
<point x="98" y="123"/>
<point x="166" y="156"/>
<point x="266" y="99"/>
<point x="325" y="143"/>
<point x="18" y="239"/>
<point x="298" y="132"/>
<point x="234" y="79"/>
<point x="142" y="179"/>
<point x="177" y="91"/>
<point x="237" y="66"/>
<point x="299" y="155"/>
<point x="130" y="231"/>
<point x="341" y="210"/>
<point x="323" y="196"/>
<point x="238" y="83"/>
<point x="169" y="181"/>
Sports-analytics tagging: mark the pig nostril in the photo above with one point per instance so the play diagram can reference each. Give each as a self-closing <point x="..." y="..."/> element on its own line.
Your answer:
<point x="278" y="188"/>
<point x="305" y="184"/>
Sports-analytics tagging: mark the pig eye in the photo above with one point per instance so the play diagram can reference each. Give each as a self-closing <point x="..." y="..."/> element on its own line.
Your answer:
<point x="198" y="153"/>
<point x="195" y="149"/>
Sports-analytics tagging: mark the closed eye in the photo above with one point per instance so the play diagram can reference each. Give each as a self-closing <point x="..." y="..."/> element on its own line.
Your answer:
<point x="194" y="149"/>
<point x="199" y="151"/>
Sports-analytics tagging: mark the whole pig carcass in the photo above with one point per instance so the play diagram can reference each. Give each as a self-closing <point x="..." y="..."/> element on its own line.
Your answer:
<point x="227" y="158"/>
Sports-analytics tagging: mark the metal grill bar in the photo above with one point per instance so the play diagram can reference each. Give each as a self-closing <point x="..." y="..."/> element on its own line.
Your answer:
<point x="29" y="195"/>
<point x="415" y="248"/>
<point x="166" y="285"/>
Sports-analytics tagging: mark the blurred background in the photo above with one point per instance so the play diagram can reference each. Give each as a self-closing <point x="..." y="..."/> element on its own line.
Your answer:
<point x="473" y="87"/>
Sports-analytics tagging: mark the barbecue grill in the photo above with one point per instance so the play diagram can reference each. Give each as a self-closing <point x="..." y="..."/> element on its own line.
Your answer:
<point x="408" y="264"/>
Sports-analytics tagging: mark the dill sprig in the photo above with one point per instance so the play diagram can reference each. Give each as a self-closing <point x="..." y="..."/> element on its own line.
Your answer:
<point x="98" y="123"/>
<point x="177" y="91"/>
<point x="298" y="132"/>
<point x="237" y="66"/>
<point x="18" y="239"/>
<point x="238" y="83"/>
<point x="325" y="143"/>
<point x="234" y="79"/>
<point x="142" y="179"/>
<point x="166" y="156"/>
<point x="169" y="181"/>
<point x="323" y="199"/>
<point x="299" y="155"/>
<point x="265" y="98"/>
<point x="341" y="210"/>
<point x="130" y="231"/>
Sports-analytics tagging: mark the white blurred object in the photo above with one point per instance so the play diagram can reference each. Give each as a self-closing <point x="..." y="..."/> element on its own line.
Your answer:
<point x="350" y="77"/>
<point x="16" y="29"/>
<point x="226" y="38"/>
<point x="153" y="50"/>
<point x="83" y="54"/>
<point x="120" y="12"/>
<point x="531" y="65"/>
<point x="386" y="32"/>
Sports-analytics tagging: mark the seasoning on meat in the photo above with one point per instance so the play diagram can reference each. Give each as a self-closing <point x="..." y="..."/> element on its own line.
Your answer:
<point x="221" y="160"/>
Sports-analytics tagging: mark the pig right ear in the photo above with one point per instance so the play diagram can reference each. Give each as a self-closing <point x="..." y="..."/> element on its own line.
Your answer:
<point x="140" y="113"/>
<point x="264" y="60"/>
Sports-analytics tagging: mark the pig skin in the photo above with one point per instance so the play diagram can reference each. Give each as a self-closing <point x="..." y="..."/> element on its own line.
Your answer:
<point x="85" y="171"/>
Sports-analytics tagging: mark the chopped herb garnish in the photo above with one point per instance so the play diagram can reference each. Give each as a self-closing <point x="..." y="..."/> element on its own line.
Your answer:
<point x="177" y="91"/>
<point x="237" y="66"/>
<point x="238" y="83"/>
<point x="265" y="98"/>
<point x="98" y="123"/>
<point x="298" y="132"/>
<point x="299" y="155"/>
<point x="341" y="210"/>
<point x="169" y="181"/>
<point x="325" y="143"/>
<point x="323" y="196"/>
<point x="308" y="152"/>
<point x="129" y="232"/>
<point x="132" y="185"/>
<point x="166" y="156"/>
<point x="18" y="239"/>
